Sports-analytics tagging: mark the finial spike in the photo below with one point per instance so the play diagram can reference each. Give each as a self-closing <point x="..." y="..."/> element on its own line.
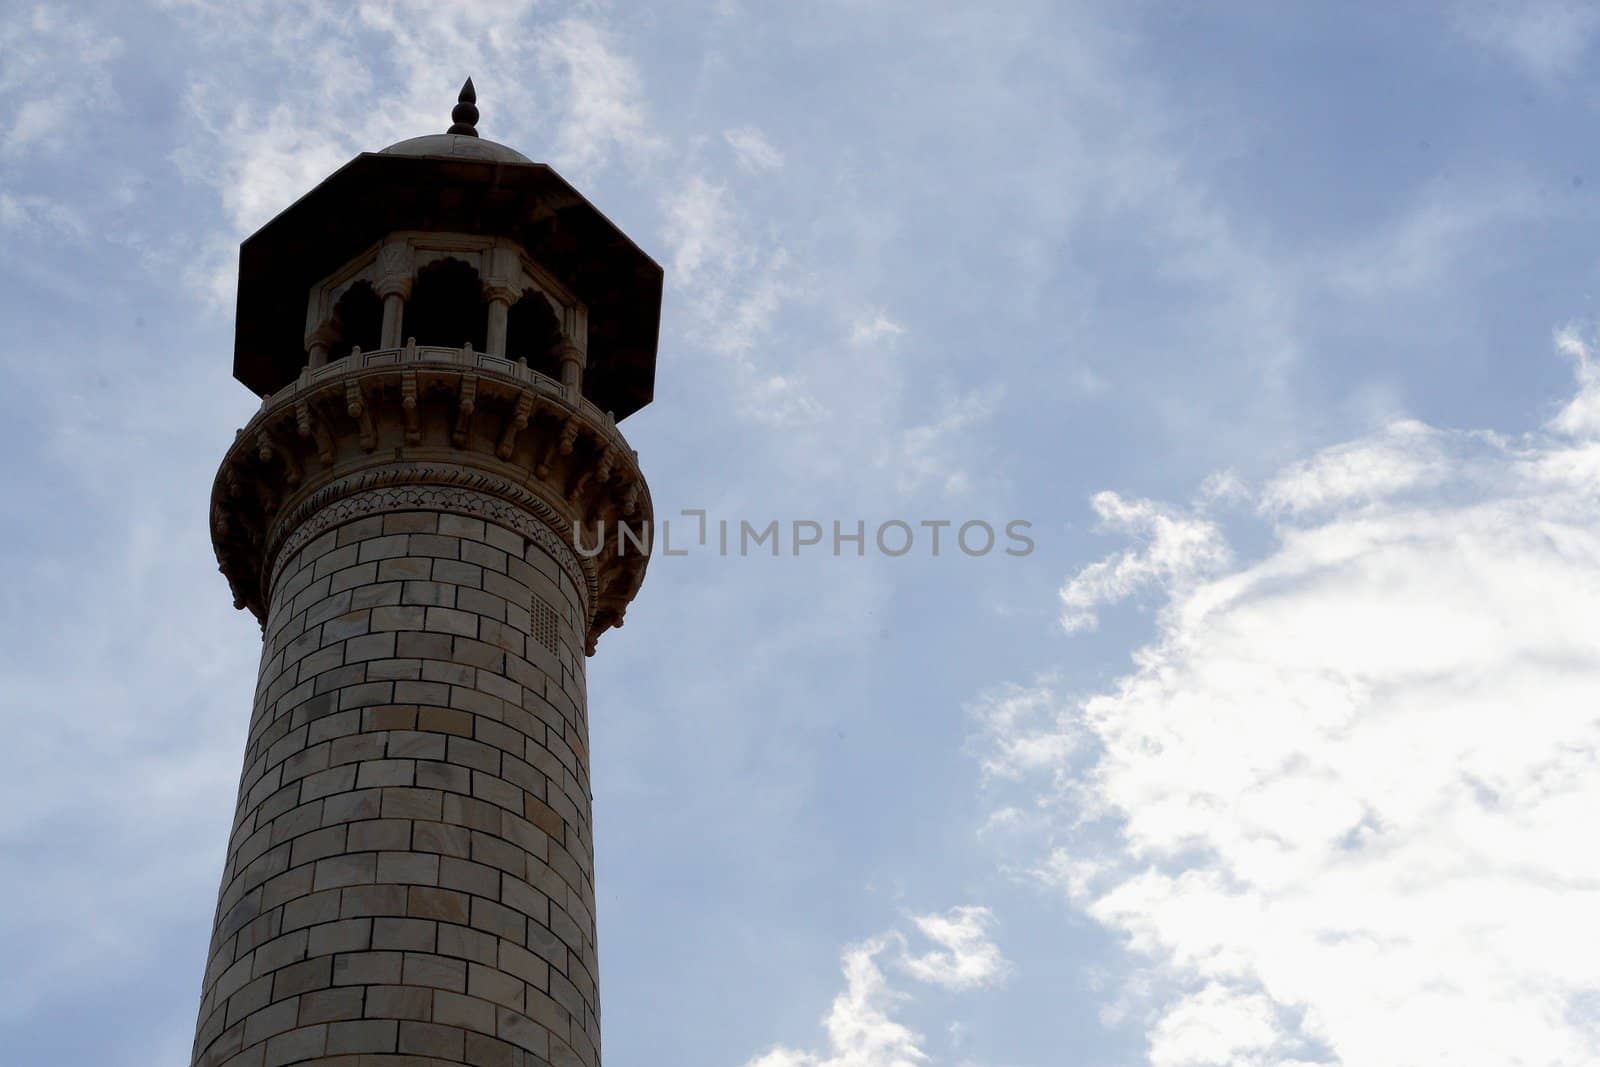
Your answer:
<point x="464" y="119"/>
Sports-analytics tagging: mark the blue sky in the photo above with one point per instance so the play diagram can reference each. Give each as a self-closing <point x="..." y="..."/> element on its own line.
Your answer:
<point x="1277" y="322"/>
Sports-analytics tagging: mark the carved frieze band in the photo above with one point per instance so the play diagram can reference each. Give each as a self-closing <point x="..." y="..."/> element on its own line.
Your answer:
<point x="423" y="487"/>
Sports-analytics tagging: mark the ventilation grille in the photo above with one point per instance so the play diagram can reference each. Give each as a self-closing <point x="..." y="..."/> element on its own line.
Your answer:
<point x="545" y="621"/>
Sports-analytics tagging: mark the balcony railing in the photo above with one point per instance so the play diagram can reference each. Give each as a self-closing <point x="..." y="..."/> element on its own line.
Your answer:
<point x="464" y="358"/>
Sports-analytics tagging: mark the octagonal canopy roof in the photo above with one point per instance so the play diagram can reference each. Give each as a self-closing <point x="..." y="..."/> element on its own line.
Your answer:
<point x="454" y="182"/>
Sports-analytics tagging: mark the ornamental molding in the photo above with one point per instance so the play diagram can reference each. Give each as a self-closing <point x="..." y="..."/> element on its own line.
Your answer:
<point x="437" y="429"/>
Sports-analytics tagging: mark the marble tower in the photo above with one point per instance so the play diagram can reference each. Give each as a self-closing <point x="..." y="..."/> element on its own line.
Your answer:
<point x="444" y="335"/>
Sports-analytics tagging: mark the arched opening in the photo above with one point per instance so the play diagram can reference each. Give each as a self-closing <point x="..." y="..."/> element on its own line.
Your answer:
<point x="533" y="333"/>
<point x="358" y="319"/>
<point x="446" y="306"/>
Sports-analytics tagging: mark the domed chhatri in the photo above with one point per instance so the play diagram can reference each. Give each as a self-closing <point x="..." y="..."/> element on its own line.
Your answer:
<point x="482" y="193"/>
<point x="443" y="336"/>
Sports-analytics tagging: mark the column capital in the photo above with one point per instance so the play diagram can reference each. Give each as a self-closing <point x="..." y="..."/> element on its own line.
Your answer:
<point x="389" y="285"/>
<point x="394" y="270"/>
<point x="323" y="334"/>
<point x="569" y="351"/>
<point x="500" y="292"/>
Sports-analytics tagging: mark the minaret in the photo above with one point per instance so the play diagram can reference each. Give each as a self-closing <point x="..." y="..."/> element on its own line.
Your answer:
<point x="443" y="335"/>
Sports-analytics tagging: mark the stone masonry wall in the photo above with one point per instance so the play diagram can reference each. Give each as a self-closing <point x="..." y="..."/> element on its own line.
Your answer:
<point x="410" y="875"/>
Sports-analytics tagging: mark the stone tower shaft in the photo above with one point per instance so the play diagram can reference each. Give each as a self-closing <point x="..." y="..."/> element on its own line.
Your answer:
<point x="410" y="875"/>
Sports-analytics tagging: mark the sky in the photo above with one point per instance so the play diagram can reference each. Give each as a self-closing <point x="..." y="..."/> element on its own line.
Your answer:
<point x="1276" y="324"/>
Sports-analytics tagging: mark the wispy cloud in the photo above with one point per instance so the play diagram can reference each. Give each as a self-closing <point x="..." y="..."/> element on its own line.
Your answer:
<point x="55" y="82"/>
<point x="1173" y="547"/>
<point x="381" y="72"/>
<point x="1547" y="38"/>
<point x="1580" y="416"/>
<point x="736" y="286"/>
<point x="699" y="230"/>
<point x="1406" y="455"/>
<point x="53" y="69"/>
<point x="752" y="152"/>
<point x="874" y="328"/>
<point x="931" y="452"/>
<point x="861" y="1027"/>
<point x="1430" y="238"/>
<point x="861" y="1030"/>
<point x="41" y="214"/>
<point x="966" y="957"/>
<point x="606" y="108"/>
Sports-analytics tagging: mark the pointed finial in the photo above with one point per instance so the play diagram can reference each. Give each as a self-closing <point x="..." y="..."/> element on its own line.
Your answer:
<point x="464" y="118"/>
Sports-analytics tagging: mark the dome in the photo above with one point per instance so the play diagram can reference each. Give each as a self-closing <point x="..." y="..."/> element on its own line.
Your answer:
<point x="456" y="146"/>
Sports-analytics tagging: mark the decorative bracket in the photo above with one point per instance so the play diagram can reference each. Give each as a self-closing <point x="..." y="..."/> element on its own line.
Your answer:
<point x="517" y="423"/>
<point x="313" y="429"/>
<point x="466" y="403"/>
<point x="569" y="425"/>
<point x="408" y="405"/>
<point x="356" y="407"/>
<point x="579" y="484"/>
<point x="267" y="451"/>
<point x="569" y="437"/>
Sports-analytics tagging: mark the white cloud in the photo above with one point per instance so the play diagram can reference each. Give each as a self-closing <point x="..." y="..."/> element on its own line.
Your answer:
<point x="860" y="1029"/>
<point x="752" y="151"/>
<point x="1217" y="1025"/>
<point x="700" y="230"/>
<point x="860" y="1025"/>
<point x="1173" y="548"/>
<point x="1580" y="417"/>
<point x="966" y="957"/>
<point x="1341" y="811"/>
<point x="1010" y="716"/>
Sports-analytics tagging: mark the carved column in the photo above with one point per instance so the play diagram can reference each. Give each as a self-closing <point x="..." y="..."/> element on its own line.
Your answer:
<point x="318" y="342"/>
<point x="394" y="285"/>
<point x="394" y="304"/>
<point x="501" y="297"/>
<point x="573" y="360"/>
